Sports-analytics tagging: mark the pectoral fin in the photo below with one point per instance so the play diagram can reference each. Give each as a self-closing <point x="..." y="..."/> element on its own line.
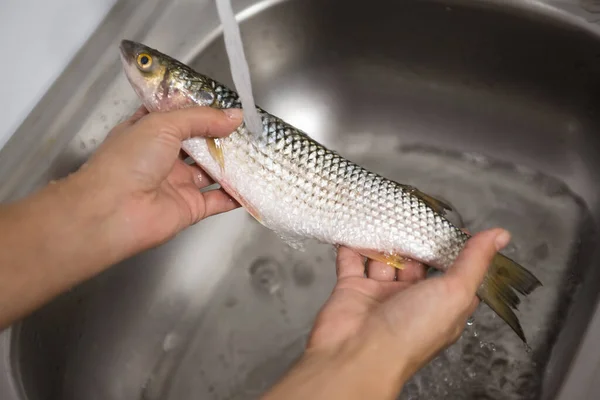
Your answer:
<point x="252" y="211"/>
<point x="395" y="261"/>
<point x="216" y="151"/>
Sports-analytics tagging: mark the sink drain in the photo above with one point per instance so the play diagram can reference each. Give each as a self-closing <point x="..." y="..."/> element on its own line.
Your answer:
<point x="265" y="274"/>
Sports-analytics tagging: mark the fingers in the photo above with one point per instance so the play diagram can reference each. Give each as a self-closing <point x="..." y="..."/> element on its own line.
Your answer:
<point x="474" y="260"/>
<point x="380" y="271"/>
<point x="217" y="202"/>
<point x="413" y="271"/>
<point x="138" y="114"/>
<point x="183" y="174"/>
<point x="200" y="178"/>
<point x="194" y="122"/>
<point x="349" y="263"/>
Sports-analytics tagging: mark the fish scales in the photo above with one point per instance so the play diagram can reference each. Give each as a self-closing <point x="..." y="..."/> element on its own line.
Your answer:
<point x="330" y="198"/>
<point x="336" y="192"/>
<point x="302" y="190"/>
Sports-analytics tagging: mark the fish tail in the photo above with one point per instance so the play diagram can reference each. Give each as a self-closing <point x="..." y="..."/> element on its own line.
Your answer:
<point x="498" y="289"/>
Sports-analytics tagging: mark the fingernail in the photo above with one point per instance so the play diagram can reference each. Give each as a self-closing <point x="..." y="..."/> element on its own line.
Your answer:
<point x="502" y="240"/>
<point x="233" y="113"/>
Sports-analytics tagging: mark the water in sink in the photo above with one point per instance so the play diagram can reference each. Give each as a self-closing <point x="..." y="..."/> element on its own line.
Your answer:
<point x="271" y="285"/>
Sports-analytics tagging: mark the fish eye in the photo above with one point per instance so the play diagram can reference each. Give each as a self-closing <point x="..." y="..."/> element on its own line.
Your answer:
<point x="144" y="60"/>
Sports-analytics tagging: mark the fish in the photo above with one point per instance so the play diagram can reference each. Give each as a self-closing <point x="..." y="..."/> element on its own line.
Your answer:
<point x="302" y="190"/>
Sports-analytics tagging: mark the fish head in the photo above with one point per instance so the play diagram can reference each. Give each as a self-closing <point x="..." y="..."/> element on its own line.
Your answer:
<point x="161" y="82"/>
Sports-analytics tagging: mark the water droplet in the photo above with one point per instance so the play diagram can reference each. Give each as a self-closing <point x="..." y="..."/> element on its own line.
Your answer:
<point x="487" y="345"/>
<point x="475" y="333"/>
<point x="171" y="341"/>
<point x="470" y="321"/>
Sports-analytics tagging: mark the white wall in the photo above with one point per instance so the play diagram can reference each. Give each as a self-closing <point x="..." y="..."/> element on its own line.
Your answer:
<point x="38" y="38"/>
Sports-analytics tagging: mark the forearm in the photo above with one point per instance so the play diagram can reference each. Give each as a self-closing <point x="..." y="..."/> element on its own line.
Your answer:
<point x="364" y="369"/>
<point x="51" y="241"/>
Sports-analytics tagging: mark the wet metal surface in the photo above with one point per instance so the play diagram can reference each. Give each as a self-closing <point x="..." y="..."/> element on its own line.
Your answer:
<point x="493" y="108"/>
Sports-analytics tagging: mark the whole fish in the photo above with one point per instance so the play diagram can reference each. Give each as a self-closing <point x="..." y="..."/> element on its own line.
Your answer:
<point x="300" y="189"/>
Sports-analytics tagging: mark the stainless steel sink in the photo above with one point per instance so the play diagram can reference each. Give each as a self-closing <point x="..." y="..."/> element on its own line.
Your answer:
<point x="492" y="105"/>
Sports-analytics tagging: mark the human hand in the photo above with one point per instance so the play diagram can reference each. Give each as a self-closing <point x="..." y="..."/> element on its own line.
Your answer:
<point x="405" y="322"/>
<point x="141" y="171"/>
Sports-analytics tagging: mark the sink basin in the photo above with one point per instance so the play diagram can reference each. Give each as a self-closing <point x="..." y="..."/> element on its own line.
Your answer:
<point x="490" y="105"/>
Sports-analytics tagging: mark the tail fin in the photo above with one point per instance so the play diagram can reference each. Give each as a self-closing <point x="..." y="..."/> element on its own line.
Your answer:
<point x="503" y="276"/>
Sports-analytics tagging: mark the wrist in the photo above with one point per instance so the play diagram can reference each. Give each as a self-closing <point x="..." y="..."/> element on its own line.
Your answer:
<point x="96" y="212"/>
<point x="373" y="356"/>
<point x="362" y="367"/>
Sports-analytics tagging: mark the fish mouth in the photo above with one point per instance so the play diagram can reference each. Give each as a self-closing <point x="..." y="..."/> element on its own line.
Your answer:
<point x="128" y="50"/>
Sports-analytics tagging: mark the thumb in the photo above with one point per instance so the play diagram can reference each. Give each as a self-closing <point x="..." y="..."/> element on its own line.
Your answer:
<point x="194" y="121"/>
<point x="472" y="263"/>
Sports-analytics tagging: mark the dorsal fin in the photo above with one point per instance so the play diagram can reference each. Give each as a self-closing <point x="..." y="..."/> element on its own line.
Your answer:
<point x="437" y="204"/>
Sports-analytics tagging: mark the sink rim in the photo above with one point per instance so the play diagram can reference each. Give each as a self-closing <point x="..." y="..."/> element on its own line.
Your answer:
<point x="572" y="380"/>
